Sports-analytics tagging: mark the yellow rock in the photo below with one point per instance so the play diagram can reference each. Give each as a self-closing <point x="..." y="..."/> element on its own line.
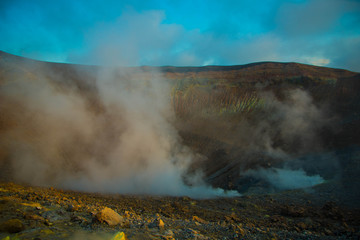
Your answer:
<point x="32" y="204"/>
<point x="119" y="236"/>
<point x="161" y="223"/>
<point x="47" y="231"/>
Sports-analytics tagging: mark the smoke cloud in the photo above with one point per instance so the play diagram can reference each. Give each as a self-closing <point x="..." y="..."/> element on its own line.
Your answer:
<point x="112" y="134"/>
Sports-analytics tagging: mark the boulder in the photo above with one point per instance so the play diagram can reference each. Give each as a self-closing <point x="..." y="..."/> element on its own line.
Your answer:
<point x="109" y="216"/>
<point x="12" y="226"/>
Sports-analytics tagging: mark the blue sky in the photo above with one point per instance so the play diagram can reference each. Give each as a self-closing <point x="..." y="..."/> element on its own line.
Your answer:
<point x="183" y="33"/>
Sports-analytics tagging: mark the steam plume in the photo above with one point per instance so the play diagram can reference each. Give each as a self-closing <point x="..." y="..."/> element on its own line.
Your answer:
<point x="113" y="134"/>
<point x="290" y="128"/>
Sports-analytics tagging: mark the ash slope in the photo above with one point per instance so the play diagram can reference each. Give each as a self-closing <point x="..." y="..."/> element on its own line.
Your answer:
<point x="249" y="123"/>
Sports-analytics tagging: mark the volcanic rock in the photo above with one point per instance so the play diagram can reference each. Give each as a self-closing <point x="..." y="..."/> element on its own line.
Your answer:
<point x="330" y="210"/>
<point x="109" y="216"/>
<point x="34" y="217"/>
<point x="12" y="226"/>
<point x="169" y="233"/>
<point x="293" y="212"/>
<point x="55" y="215"/>
<point x="193" y="234"/>
<point x="157" y="223"/>
<point x="199" y="220"/>
<point x="79" y="219"/>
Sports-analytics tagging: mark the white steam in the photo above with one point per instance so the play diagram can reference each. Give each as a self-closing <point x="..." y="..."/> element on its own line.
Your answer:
<point x="117" y="138"/>
<point x="285" y="179"/>
<point x="286" y="128"/>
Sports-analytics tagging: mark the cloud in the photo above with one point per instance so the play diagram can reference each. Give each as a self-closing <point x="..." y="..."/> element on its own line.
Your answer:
<point x="310" y="17"/>
<point x="319" y="32"/>
<point x="316" y="61"/>
<point x="345" y="53"/>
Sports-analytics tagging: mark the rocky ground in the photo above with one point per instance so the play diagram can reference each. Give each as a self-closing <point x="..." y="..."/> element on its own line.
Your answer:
<point x="46" y="213"/>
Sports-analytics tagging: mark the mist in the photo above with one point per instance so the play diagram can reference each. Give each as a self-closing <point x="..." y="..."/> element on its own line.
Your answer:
<point x="111" y="132"/>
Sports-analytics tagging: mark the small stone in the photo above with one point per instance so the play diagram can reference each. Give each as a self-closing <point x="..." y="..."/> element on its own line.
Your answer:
<point x="75" y="218"/>
<point x="47" y="223"/>
<point x="169" y="233"/>
<point x="109" y="216"/>
<point x="241" y="231"/>
<point x="161" y="223"/>
<point x="127" y="214"/>
<point x="34" y="217"/>
<point x="71" y="208"/>
<point x="157" y="223"/>
<point x="222" y="224"/>
<point x="290" y="211"/>
<point x="199" y="220"/>
<point x="53" y="215"/>
<point x="195" y="234"/>
<point x="328" y="232"/>
<point x="301" y="225"/>
<point x="47" y="231"/>
<point x="12" y="226"/>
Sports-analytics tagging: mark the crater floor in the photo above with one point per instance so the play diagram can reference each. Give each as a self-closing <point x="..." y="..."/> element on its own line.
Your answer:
<point x="28" y="212"/>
